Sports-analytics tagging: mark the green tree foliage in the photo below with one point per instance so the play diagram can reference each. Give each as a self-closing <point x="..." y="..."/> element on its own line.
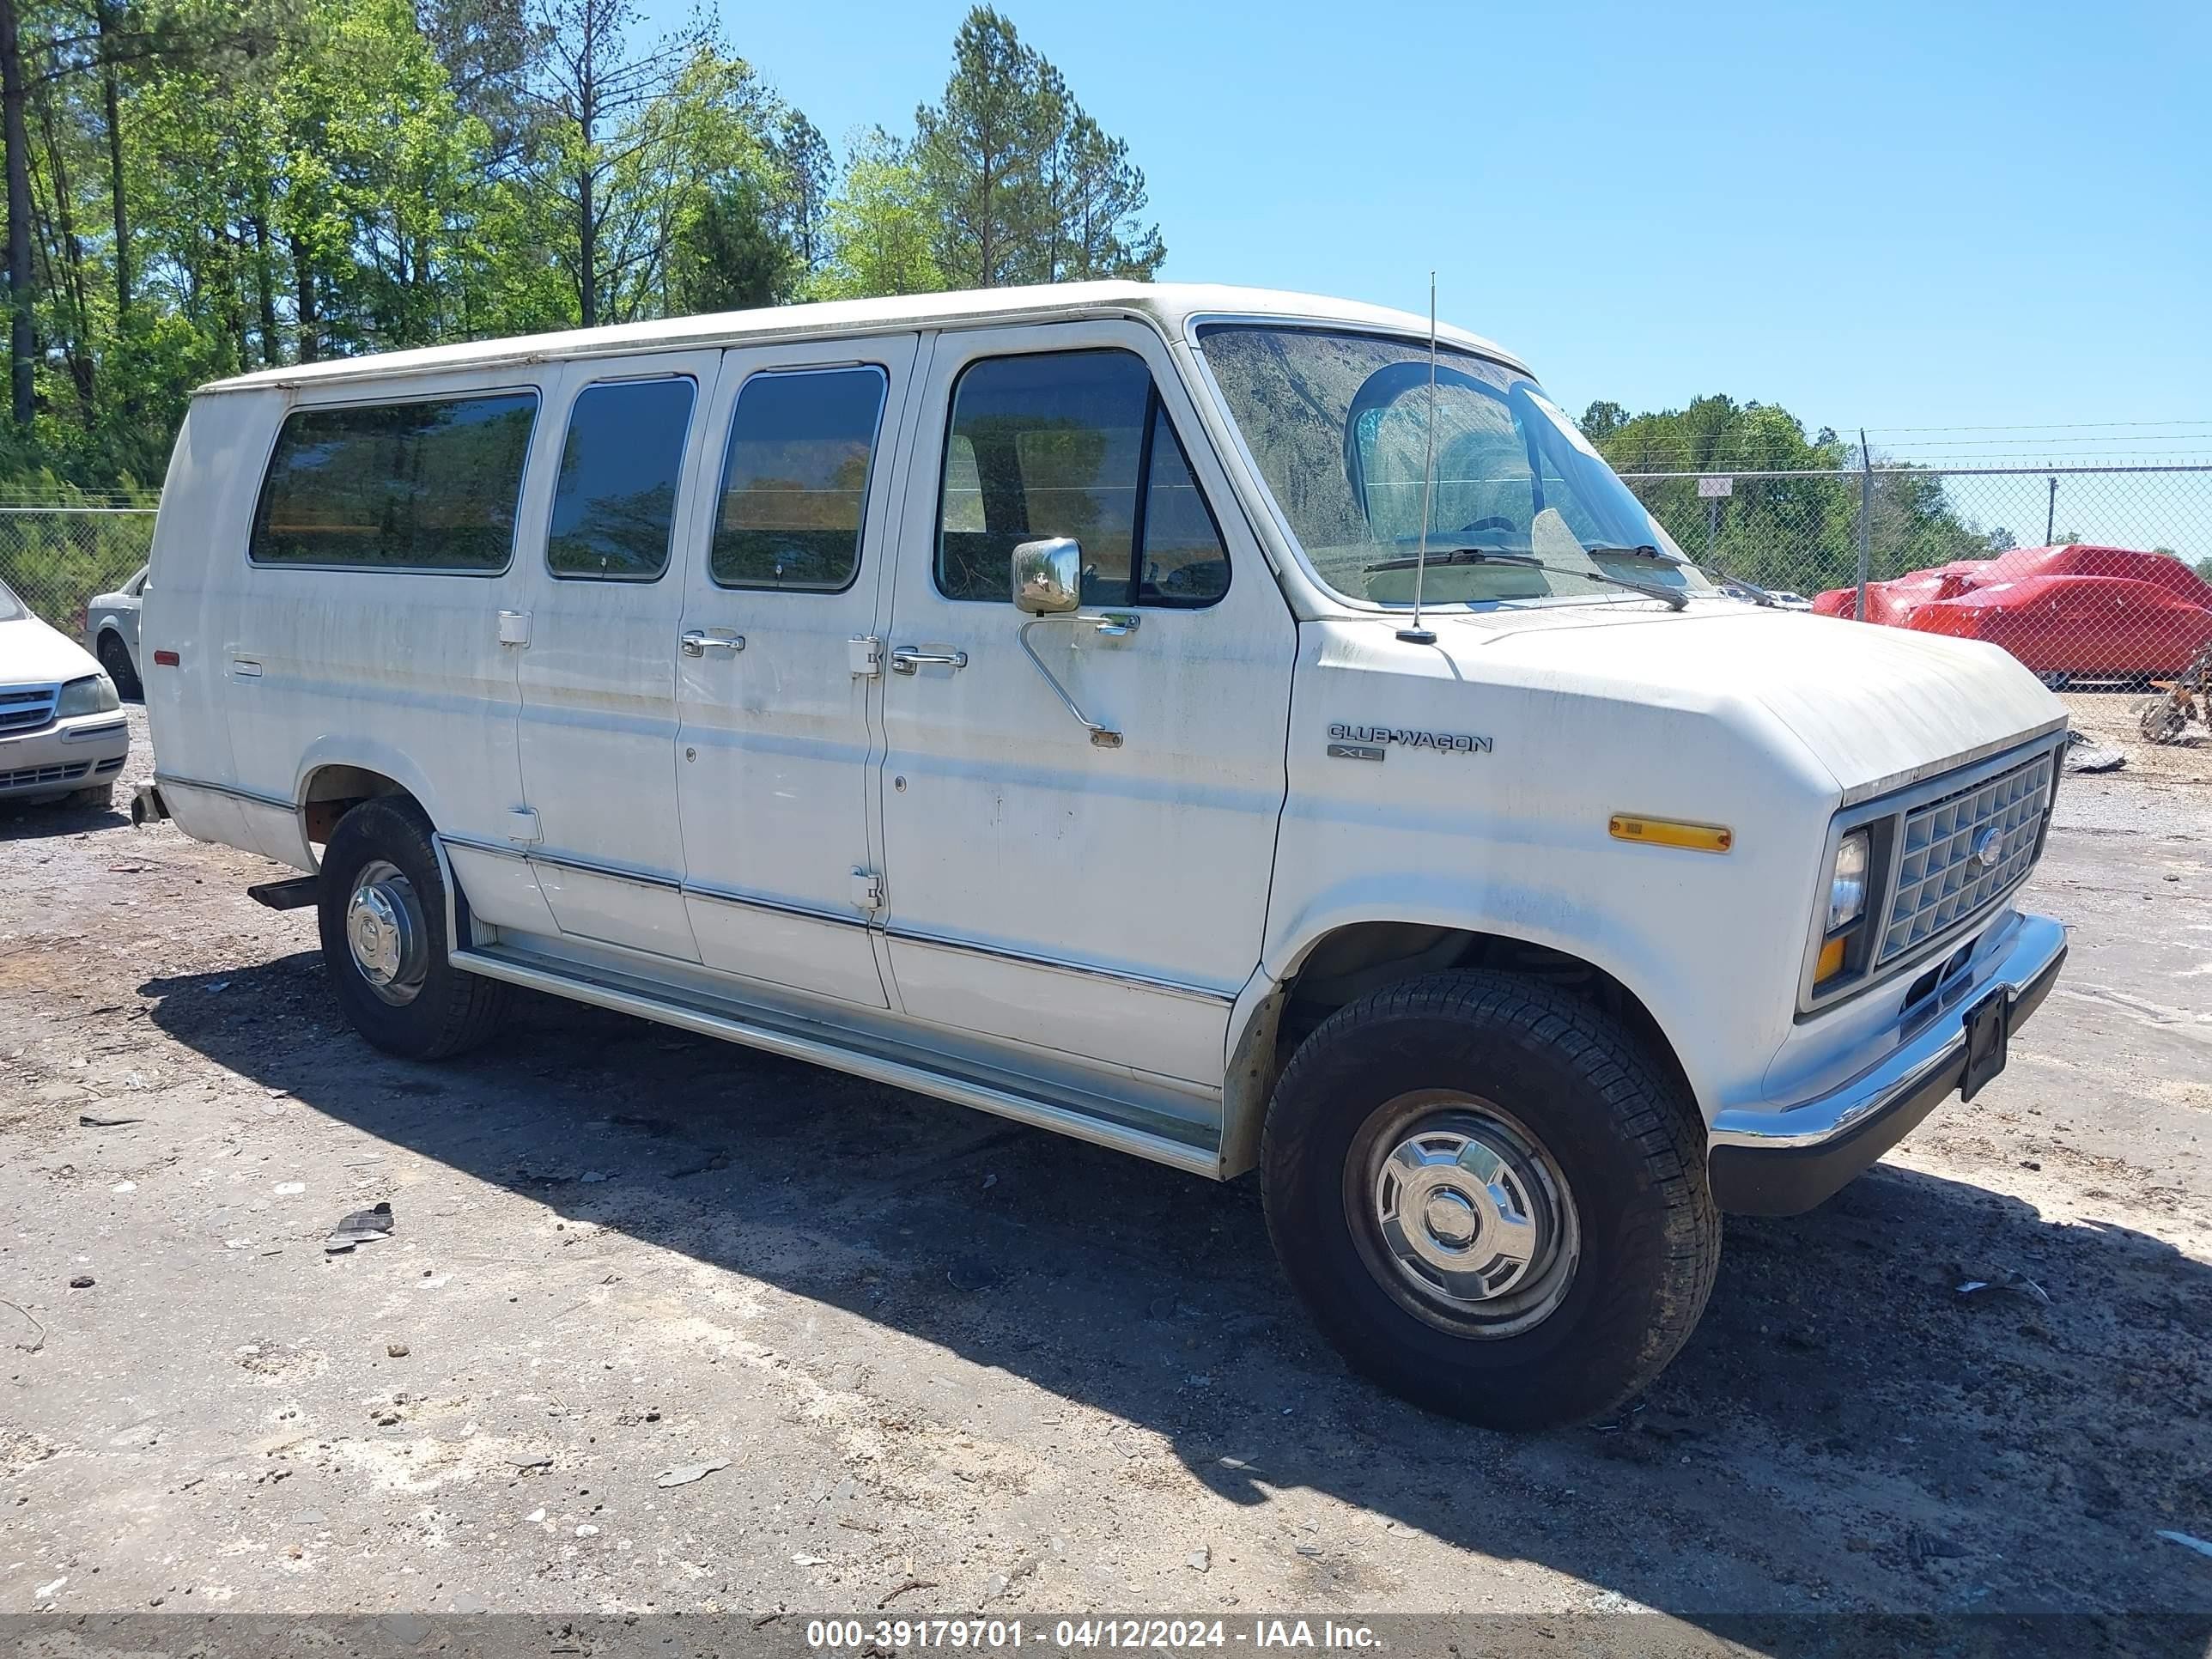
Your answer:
<point x="1788" y="532"/>
<point x="882" y="228"/>
<point x="1028" y="187"/>
<point x="198" y="188"/>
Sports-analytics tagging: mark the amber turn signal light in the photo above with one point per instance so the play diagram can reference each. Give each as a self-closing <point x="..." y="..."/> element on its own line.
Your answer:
<point x="1667" y="832"/>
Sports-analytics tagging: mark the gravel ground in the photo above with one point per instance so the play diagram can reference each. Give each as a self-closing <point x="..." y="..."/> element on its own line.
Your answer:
<point x="937" y="1361"/>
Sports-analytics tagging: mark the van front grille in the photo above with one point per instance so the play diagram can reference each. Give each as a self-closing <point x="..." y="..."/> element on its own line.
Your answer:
<point x="1961" y="854"/>
<point x="25" y="707"/>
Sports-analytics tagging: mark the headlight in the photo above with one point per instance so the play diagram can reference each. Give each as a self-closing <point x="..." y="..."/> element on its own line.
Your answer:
<point x="93" y="694"/>
<point x="1847" y="882"/>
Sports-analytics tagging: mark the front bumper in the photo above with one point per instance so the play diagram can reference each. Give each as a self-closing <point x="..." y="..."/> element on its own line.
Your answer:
<point x="1784" y="1160"/>
<point x="75" y="754"/>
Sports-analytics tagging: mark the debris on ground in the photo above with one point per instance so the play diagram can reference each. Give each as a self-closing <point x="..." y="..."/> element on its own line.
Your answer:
<point x="2083" y="754"/>
<point x="97" y="1121"/>
<point x="362" y="1227"/>
<point x="2008" y="1279"/>
<point x="81" y="1282"/>
<point x="685" y="1474"/>
<point x="1201" y="1560"/>
<point x="36" y="1342"/>
<point x="395" y="1349"/>
<point x="900" y="1590"/>
<point x="2186" y="1542"/>
<point x="1922" y="1547"/>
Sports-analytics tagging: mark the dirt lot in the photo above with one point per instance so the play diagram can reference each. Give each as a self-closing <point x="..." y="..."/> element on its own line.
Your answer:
<point x="927" y="1349"/>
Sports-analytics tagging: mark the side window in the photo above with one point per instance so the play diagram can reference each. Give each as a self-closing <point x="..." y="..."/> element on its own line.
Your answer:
<point x="1183" y="561"/>
<point x="795" y="479"/>
<point x="614" y="507"/>
<point x="415" y="486"/>
<point x="1073" y="443"/>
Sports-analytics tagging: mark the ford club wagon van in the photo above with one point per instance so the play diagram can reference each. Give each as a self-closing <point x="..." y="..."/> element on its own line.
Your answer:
<point x="1017" y="697"/>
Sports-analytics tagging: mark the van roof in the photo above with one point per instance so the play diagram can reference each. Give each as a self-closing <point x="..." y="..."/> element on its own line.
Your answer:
<point x="1170" y="304"/>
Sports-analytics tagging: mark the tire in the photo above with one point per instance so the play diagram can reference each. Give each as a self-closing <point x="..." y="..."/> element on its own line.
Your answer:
<point x="1582" y="1142"/>
<point x="115" y="657"/>
<point x="413" y="1002"/>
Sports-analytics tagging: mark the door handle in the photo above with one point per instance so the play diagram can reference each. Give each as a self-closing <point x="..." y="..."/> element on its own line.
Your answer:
<point x="698" y="642"/>
<point x="905" y="659"/>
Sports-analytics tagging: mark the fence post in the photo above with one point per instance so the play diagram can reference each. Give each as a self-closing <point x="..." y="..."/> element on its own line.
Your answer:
<point x="2051" y="512"/>
<point x="1866" y="523"/>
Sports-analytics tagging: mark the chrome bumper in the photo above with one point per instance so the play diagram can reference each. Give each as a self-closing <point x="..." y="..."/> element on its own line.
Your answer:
<point x="1783" y="1160"/>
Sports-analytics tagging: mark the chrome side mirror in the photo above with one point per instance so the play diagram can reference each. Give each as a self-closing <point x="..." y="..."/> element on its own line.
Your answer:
<point x="1048" y="576"/>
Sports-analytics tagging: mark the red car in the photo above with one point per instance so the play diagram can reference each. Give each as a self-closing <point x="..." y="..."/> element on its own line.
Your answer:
<point x="2096" y="613"/>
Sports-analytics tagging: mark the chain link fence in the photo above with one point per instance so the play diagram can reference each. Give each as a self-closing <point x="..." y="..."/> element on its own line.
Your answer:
<point x="2098" y="578"/>
<point x="55" y="556"/>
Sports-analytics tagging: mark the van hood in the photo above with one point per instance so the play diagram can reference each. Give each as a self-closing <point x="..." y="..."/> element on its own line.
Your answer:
<point x="31" y="653"/>
<point x="1880" y="707"/>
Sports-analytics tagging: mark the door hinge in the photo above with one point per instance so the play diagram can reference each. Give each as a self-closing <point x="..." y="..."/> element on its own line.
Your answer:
<point x="514" y="627"/>
<point x="522" y="826"/>
<point x="867" y="657"/>
<point x="867" y="889"/>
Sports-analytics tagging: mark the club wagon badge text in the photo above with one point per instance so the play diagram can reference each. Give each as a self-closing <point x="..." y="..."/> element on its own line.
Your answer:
<point x="1372" y="743"/>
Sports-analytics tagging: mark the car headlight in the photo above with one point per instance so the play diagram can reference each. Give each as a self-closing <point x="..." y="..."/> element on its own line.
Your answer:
<point x="93" y="694"/>
<point x="1847" y="882"/>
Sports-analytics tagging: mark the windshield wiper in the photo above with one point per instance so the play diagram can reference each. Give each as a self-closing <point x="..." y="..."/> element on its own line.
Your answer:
<point x="1752" y="590"/>
<point x="1456" y="555"/>
<point x="1477" y="556"/>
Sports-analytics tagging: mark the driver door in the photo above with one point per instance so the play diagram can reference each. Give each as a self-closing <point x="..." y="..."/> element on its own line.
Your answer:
<point x="1102" y="899"/>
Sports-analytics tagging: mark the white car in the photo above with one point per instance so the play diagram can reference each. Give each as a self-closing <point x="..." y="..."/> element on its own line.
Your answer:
<point x="1198" y="720"/>
<point x="62" y="736"/>
<point x="110" y="632"/>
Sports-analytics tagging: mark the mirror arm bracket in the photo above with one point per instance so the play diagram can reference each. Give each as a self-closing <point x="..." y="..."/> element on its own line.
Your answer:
<point x="1112" y="624"/>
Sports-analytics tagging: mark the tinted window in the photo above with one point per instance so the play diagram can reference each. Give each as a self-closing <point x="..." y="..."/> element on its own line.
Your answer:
<point x="1184" y="561"/>
<point x="614" y="508"/>
<point x="418" y="486"/>
<point x="1073" y="444"/>
<point x="795" y="479"/>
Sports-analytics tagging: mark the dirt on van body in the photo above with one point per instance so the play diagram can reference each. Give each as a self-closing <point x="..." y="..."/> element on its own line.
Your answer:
<point x="663" y="1324"/>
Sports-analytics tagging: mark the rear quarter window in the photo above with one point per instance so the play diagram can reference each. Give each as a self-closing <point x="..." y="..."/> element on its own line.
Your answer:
<point x="427" y="485"/>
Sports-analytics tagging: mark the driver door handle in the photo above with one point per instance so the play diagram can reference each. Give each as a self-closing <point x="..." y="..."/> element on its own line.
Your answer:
<point x="905" y="659"/>
<point x="698" y="642"/>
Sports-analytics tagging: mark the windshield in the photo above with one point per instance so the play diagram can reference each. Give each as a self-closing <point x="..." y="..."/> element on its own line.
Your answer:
<point x="1339" y="425"/>
<point x="11" y="608"/>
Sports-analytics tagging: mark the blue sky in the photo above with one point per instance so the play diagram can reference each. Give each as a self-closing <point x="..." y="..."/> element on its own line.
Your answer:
<point x="1905" y="215"/>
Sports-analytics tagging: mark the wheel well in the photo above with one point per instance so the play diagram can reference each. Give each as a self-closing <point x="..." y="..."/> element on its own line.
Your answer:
<point x="1365" y="956"/>
<point x="334" y="791"/>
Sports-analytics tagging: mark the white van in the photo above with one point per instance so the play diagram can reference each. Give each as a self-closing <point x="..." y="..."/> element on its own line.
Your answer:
<point x="1018" y="697"/>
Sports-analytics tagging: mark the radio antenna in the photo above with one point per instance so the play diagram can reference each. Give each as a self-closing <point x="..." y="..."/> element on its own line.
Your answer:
<point x="1417" y="635"/>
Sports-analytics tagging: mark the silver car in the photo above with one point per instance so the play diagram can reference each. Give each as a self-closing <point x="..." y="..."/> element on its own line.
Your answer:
<point x="111" y="632"/>
<point x="62" y="736"/>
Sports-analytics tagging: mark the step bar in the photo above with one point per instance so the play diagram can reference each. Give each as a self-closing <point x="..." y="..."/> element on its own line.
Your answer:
<point x="876" y="1067"/>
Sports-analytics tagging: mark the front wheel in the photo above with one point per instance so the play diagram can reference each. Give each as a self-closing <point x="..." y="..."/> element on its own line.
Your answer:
<point x="115" y="657"/>
<point x="382" y="912"/>
<point x="1491" y="1200"/>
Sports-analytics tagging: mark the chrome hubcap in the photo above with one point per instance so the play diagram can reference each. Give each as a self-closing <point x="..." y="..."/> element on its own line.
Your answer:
<point x="1467" y="1219"/>
<point x="384" y="930"/>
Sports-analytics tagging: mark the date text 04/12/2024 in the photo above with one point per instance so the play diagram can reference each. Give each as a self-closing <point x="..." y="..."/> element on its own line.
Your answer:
<point x="897" y="1635"/>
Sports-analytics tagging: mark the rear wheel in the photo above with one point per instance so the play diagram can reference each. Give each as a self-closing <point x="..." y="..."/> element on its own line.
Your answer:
<point x="382" y="913"/>
<point x="1491" y="1200"/>
<point x="115" y="657"/>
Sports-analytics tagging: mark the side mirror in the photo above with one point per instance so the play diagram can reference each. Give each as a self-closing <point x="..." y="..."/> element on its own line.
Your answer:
<point x="1048" y="576"/>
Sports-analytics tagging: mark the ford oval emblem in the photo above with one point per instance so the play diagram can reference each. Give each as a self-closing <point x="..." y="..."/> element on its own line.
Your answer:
<point x="1989" y="847"/>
